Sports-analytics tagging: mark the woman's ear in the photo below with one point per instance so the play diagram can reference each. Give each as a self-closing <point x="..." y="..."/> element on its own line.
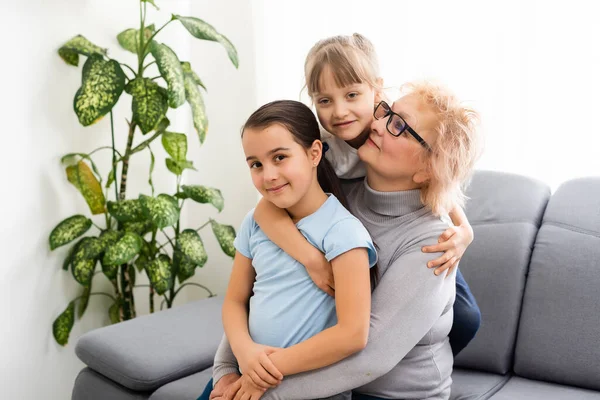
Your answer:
<point x="316" y="152"/>
<point x="421" y="177"/>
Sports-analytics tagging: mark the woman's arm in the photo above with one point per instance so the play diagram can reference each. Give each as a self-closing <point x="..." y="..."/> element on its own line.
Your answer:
<point x="281" y="230"/>
<point x="253" y="358"/>
<point x="405" y="305"/>
<point x="453" y="242"/>
<point x="349" y="335"/>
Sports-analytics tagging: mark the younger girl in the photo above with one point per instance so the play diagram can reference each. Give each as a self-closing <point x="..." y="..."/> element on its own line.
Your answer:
<point x="271" y="302"/>
<point x="343" y="81"/>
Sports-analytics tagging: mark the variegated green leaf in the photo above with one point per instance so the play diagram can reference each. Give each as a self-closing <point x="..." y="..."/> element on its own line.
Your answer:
<point x="175" y="144"/>
<point x="141" y="228"/>
<point x="68" y="230"/>
<point x="162" y="210"/>
<point x="177" y="167"/>
<point x="203" y="194"/>
<point x="85" y="258"/>
<point x="71" y="50"/>
<point x="69" y="257"/>
<point x="160" y="274"/>
<point x="126" y="210"/>
<point x="194" y="98"/>
<point x="170" y="69"/>
<point x="108" y="239"/>
<point x="84" y="300"/>
<point x="61" y="328"/>
<point x="205" y="31"/>
<point x="82" y="177"/>
<point x="187" y="70"/>
<point x="114" y="312"/>
<point x="190" y="244"/>
<point x="129" y="38"/>
<point x="124" y="250"/>
<point x="225" y="235"/>
<point x="185" y="269"/>
<point x="149" y="103"/>
<point x="144" y="257"/>
<point x="102" y="84"/>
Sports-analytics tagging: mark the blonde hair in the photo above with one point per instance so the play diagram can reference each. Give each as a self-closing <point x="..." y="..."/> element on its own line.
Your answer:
<point x="456" y="147"/>
<point x="352" y="60"/>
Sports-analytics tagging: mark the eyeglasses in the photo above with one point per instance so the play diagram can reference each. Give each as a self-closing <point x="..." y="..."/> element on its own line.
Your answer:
<point x="396" y="125"/>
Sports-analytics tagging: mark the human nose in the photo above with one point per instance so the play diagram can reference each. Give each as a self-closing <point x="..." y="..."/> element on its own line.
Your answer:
<point x="378" y="125"/>
<point x="270" y="173"/>
<point x="340" y="110"/>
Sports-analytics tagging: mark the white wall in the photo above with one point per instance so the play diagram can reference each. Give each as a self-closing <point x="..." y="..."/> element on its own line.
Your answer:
<point x="39" y="126"/>
<point x="532" y="68"/>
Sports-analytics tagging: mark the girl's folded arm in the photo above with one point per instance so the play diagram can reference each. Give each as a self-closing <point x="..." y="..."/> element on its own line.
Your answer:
<point x="276" y="223"/>
<point x="350" y="334"/>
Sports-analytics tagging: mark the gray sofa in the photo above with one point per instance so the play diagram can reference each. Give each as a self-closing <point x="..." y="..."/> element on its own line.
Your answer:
<point x="533" y="267"/>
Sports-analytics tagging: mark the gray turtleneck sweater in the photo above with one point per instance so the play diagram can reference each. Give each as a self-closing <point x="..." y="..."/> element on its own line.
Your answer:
<point x="408" y="355"/>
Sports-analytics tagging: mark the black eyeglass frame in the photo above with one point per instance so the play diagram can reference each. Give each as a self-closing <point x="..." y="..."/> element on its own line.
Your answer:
<point x="389" y="113"/>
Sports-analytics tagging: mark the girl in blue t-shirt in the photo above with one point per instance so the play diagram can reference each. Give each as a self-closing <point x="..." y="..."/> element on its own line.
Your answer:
<point x="276" y="319"/>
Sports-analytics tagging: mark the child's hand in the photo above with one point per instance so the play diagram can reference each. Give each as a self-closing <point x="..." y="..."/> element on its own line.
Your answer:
<point x="256" y="364"/>
<point x="453" y="242"/>
<point x="321" y="273"/>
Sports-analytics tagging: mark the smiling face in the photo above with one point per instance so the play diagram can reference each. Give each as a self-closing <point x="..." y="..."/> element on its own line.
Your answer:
<point x="282" y="170"/>
<point x="397" y="163"/>
<point x="346" y="112"/>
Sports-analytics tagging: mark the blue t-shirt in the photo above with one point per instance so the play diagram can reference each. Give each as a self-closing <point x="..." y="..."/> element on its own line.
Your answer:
<point x="287" y="307"/>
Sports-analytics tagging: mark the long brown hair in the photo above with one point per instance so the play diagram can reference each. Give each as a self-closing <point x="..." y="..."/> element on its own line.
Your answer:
<point x="300" y="121"/>
<point x="302" y="124"/>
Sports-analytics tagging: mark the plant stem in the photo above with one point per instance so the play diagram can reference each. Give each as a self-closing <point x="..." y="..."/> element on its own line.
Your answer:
<point x="150" y="41"/>
<point x="131" y="69"/>
<point x="100" y="229"/>
<point x="151" y="299"/>
<point x="103" y="294"/>
<point x="105" y="148"/>
<point x="156" y="77"/>
<point x="207" y="222"/>
<point x="149" y="64"/>
<point x="145" y="143"/>
<point x="210" y="294"/>
<point x="112" y="132"/>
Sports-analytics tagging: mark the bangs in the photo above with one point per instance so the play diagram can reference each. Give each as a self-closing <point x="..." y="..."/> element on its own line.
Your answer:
<point x="345" y="66"/>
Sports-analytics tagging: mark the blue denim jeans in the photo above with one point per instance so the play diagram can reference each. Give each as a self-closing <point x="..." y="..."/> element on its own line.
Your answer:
<point x="467" y="317"/>
<point x="207" y="390"/>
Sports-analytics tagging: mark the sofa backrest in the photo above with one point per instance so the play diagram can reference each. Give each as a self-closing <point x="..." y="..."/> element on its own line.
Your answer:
<point x="505" y="211"/>
<point x="559" y="333"/>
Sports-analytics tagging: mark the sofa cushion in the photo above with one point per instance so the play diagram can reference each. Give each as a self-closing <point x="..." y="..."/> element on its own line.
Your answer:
<point x="505" y="211"/>
<point x="475" y="385"/>
<point x="90" y="385"/>
<point x="188" y="388"/>
<point x="559" y="334"/>
<point x="188" y="336"/>
<point x="525" y="389"/>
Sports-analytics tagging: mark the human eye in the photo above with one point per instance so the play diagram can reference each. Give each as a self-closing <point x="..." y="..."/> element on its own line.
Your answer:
<point x="323" y="101"/>
<point x="353" y="95"/>
<point x="255" y="165"/>
<point x="398" y="126"/>
<point x="279" y="157"/>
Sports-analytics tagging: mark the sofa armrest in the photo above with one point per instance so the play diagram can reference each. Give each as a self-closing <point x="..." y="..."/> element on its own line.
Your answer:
<point x="147" y="352"/>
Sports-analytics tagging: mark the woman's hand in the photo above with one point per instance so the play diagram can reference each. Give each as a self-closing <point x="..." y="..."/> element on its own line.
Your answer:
<point x="453" y="242"/>
<point x="223" y="385"/>
<point x="255" y="363"/>
<point x="243" y="389"/>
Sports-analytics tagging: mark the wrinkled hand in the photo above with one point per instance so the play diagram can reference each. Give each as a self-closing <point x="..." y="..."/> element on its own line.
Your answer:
<point x="255" y="363"/>
<point x="453" y="242"/>
<point x="321" y="273"/>
<point x="242" y="389"/>
<point x="223" y="385"/>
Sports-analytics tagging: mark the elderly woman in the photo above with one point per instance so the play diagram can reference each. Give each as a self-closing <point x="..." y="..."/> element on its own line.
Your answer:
<point x="418" y="156"/>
